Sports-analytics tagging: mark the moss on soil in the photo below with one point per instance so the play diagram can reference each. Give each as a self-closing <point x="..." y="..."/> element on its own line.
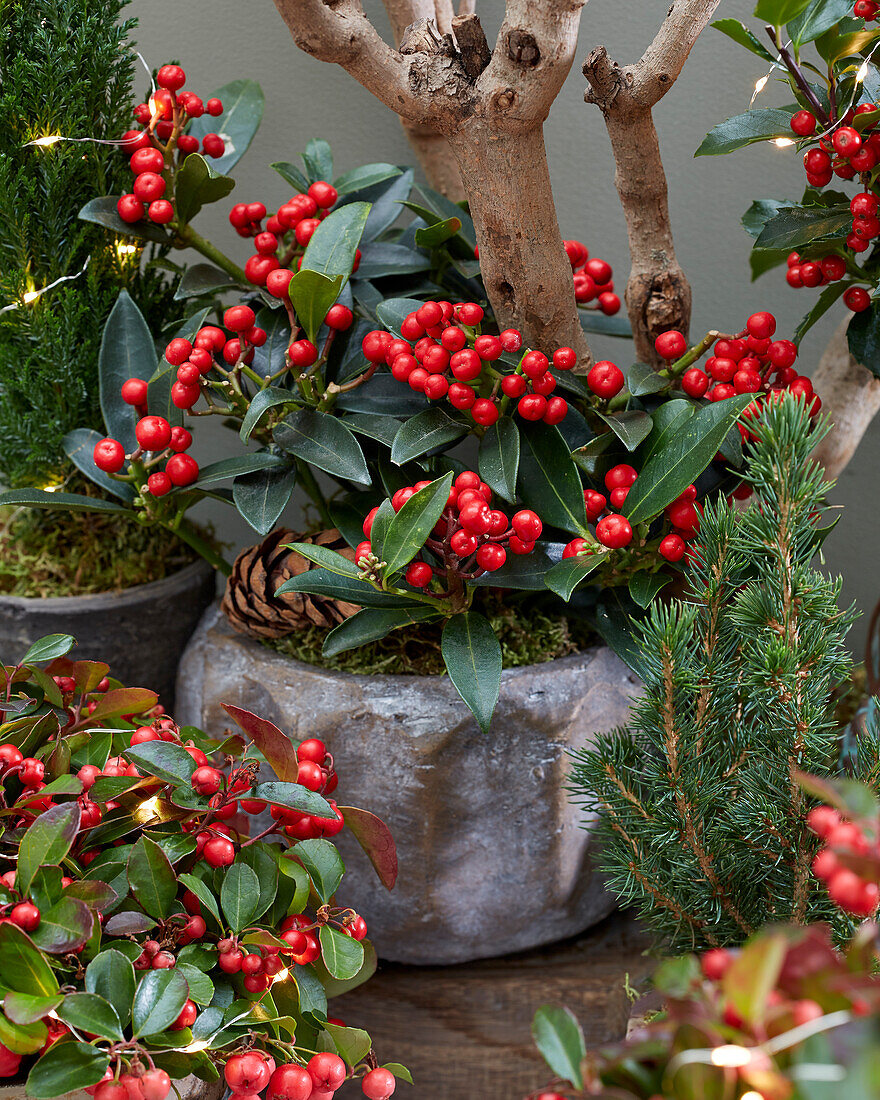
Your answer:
<point x="528" y="636"/>
<point x="46" y="553"/>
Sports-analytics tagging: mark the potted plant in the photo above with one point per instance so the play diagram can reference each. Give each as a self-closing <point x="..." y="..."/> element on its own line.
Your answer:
<point x="322" y="395"/>
<point x="149" y="933"/>
<point x="64" y="571"/>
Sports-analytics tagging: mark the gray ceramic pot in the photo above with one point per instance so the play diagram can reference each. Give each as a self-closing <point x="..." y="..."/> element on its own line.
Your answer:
<point x="493" y="856"/>
<point x="140" y="632"/>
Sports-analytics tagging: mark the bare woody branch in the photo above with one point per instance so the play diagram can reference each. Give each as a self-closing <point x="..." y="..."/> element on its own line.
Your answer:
<point x="658" y="295"/>
<point x="850" y="398"/>
<point x="493" y="119"/>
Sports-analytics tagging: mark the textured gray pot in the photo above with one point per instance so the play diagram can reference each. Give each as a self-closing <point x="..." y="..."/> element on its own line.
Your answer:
<point x="493" y="857"/>
<point x="140" y="632"/>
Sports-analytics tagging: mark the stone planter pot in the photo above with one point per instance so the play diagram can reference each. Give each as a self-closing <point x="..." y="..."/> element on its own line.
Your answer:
<point x="493" y="856"/>
<point x="140" y="632"/>
<point x="190" y="1088"/>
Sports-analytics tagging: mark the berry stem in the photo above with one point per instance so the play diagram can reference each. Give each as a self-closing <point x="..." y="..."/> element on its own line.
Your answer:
<point x="674" y="370"/>
<point x="799" y="78"/>
<point x="195" y="240"/>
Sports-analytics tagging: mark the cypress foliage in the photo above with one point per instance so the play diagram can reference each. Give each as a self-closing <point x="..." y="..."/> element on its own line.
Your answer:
<point x="65" y="68"/>
<point x="699" y="812"/>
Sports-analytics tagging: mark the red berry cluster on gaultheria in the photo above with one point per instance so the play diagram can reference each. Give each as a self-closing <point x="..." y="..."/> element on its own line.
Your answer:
<point x="469" y="539"/>
<point x="442" y="353"/>
<point x="151" y="150"/>
<point x="592" y="279"/>
<point x="280" y="244"/>
<point x="849" y="862"/>
<point x="253" y="1073"/>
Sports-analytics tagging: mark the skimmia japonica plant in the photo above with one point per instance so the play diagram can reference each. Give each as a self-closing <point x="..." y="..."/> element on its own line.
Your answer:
<point x="365" y="351"/>
<point x="822" y="50"/>
<point x="164" y="911"/>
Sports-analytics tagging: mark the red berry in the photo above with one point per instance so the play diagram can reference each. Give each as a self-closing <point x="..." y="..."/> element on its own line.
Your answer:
<point x="379" y="1084"/>
<point x="576" y="547"/>
<point x="846" y="141"/>
<point x="206" y="780"/>
<point x="527" y="525"/>
<point x="564" y="358"/>
<point x="213" y="144"/>
<point x="339" y="318"/>
<point x="491" y="556"/>
<point x="302" y="353"/>
<point x="109" y="455"/>
<point x="484" y="411"/>
<point x="153" y="433"/>
<point x="171" y="77"/>
<point x="159" y="483"/>
<point x="239" y="318"/>
<point x="822" y="820"/>
<point x="161" y="211"/>
<point x="130" y="208"/>
<point x="248" y="1072"/>
<point x="278" y="281"/>
<point x="761" y="325"/>
<point x="466" y="365"/>
<point x="156" y="1084"/>
<point x="671" y="548"/>
<point x="857" y="299"/>
<point x="694" y="382"/>
<point x="290" y="1082"/>
<point x="25" y="915"/>
<point x="605" y="379"/>
<point x="532" y="406"/>
<point x="614" y="531"/>
<point x="312" y="749"/>
<point x="621" y="477"/>
<point x="609" y="303"/>
<point x="557" y="410"/>
<point x="327" y="1071"/>
<point x="803" y="123"/>
<point x="182" y="469"/>
<point x="419" y="574"/>
<point x="187" y="1016"/>
<point x="514" y="385"/>
<point x="149" y="186"/>
<point x="670" y="345"/>
<point x="715" y="963"/>
<point x="219" y="852"/>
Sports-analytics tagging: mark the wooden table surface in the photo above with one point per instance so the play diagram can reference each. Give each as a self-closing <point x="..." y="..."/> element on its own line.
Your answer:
<point x="464" y="1031"/>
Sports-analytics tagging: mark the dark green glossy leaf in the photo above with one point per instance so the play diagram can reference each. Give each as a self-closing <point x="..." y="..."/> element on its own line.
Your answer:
<point x="163" y="759"/>
<point x="270" y="358"/>
<point x="266" y="399"/>
<point x="203" y="279"/>
<point x="158" y="1001"/>
<point x="328" y="559"/>
<point x="48" y="648"/>
<point x="594" y="320"/>
<point x="263" y="861"/>
<point x="323" y="441"/>
<point x="762" y="211"/>
<point x="293" y="796"/>
<point x="325" y="582"/>
<point x="673" y="468"/>
<point x="426" y="431"/>
<point x="239" y="895"/>
<point x="201" y="988"/>
<point x="343" y="956"/>
<point x="24" y="968"/>
<point x="668" y="419"/>
<point x="112" y="974"/>
<point x="413" y="524"/>
<point x="64" y="1068"/>
<point x="202" y="892"/>
<point x="381" y="259"/>
<point x="472" y="655"/>
<point x="759" y="124"/>
<point x="632" y="427"/>
<point x="446" y="208"/>
<point x="332" y="247"/>
<point x="352" y="1044"/>
<point x="565" y="576"/>
<point x="382" y="394"/>
<point x="815" y="19"/>
<point x="393" y="311"/>
<point x="801" y="225"/>
<point x="92" y="1013"/>
<point x="47" y="841"/>
<point x="499" y="458"/>
<point x="324" y="865"/>
<point x="834" y="45"/>
<point x="743" y="37"/>
<point x="262" y="496"/>
<point x="366" y="175"/>
<point x="863" y="336"/>
<point x="240" y="464"/>
<point x="374" y="426"/>
<point x="432" y="236"/>
<point x="559" y="1038"/>
<point x="642" y="379"/>
<point x="292" y="175"/>
<point x="312" y="294"/>
<point x="643" y="587"/>
<point x="102" y="211"/>
<point x="127" y="351"/>
<point x="198" y="183"/>
<point x="57" y="502"/>
<point x="152" y="877"/>
<point x="524" y="571"/>
<point x="820" y="307"/>
<point x="79" y="446"/>
<point x="779" y="12"/>
<point x="318" y="159"/>
<point x="385" y="203"/>
<point x="25" y="1008"/>
<point x="549" y="481"/>
<point x="243" y="102"/>
<point x="67" y="926"/>
<point x="371" y="624"/>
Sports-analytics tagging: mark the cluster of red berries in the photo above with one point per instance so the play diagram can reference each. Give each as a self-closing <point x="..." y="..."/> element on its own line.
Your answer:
<point x="439" y="339"/>
<point x="152" y="149"/>
<point x="830" y="269"/>
<point x="469" y="539"/>
<point x="252" y="1072"/>
<point x="592" y="279"/>
<point x="845" y="153"/>
<point x="615" y="531"/>
<point x="281" y="243"/>
<point x="750" y="362"/>
<point x="846" y="841"/>
<point x="135" y="1083"/>
<point x="156" y="436"/>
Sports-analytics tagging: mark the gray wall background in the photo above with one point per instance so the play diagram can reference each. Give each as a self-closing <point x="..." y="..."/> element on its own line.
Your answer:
<point x="221" y="40"/>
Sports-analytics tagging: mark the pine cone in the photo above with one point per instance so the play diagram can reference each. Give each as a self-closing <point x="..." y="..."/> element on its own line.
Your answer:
<point x="250" y="603"/>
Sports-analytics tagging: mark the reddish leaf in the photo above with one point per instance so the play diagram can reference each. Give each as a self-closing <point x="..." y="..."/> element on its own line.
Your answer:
<point x="375" y="838"/>
<point x="87" y="674"/>
<point x="119" y="701"/>
<point x="276" y="746"/>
